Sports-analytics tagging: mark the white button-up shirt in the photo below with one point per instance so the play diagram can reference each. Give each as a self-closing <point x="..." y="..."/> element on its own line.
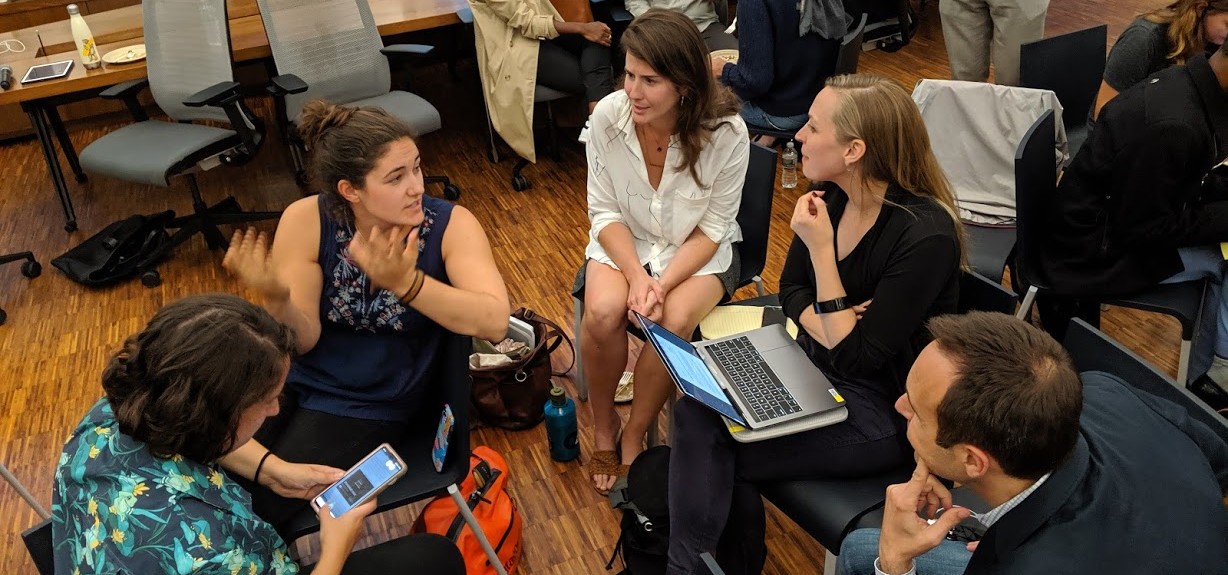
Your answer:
<point x="661" y="220"/>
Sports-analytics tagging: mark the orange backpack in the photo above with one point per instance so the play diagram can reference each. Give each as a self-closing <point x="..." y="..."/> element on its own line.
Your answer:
<point x="485" y="491"/>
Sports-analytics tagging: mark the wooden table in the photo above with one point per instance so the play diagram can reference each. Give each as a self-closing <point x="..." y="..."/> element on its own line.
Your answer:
<point x="122" y="27"/>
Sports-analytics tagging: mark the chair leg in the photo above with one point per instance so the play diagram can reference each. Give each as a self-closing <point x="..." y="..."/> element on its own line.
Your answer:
<point x="829" y="563"/>
<point x="472" y="521"/>
<point x="1026" y="307"/>
<point x="1183" y="363"/>
<point x="24" y="493"/>
<point x="759" y="289"/>
<point x="213" y="237"/>
<point x="554" y="131"/>
<point x="581" y="383"/>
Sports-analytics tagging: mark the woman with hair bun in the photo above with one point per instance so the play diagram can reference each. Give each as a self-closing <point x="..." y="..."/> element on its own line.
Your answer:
<point x="370" y="274"/>
<point x="137" y="489"/>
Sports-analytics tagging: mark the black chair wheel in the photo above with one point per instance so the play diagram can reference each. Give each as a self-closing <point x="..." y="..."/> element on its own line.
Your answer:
<point x="70" y="227"/>
<point x="4" y="316"/>
<point x="890" y="45"/>
<point x="520" y="183"/>
<point x="81" y="178"/>
<point x="451" y="192"/>
<point x="31" y="269"/>
<point x="151" y="279"/>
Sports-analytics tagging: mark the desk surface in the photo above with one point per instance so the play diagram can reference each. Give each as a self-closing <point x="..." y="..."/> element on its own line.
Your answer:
<point x="122" y="27"/>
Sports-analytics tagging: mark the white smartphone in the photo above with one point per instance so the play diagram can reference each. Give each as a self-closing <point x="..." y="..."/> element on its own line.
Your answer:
<point x="47" y="71"/>
<point x="365" y="480"/>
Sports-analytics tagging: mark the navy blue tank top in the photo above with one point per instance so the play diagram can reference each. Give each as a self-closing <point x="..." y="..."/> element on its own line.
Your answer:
<point x="374" y="353"/>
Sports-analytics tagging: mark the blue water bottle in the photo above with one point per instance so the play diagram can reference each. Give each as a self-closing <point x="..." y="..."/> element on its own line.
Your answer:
<point x="561" y="426"/>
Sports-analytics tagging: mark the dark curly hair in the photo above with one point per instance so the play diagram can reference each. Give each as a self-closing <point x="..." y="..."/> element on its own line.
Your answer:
<point x="345" y="143"/>
<point x="181" y="385"/>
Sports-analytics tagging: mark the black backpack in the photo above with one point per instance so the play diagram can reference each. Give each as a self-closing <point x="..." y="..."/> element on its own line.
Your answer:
<point x="643" y="497"/>
<point x="121" y="250"/>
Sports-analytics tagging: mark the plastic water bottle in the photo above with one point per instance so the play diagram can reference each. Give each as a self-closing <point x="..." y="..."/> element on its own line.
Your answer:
<point x="561" y="426"/>
<point x="788" y="167"/>
<point x="86" y="48"/>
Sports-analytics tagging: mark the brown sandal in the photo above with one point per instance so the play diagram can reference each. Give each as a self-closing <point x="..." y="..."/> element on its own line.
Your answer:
<point x="605" y="463"/>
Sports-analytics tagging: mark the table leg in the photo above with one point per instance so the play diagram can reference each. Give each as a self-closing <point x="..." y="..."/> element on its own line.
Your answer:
<point x="38" y="120"/>
<point x="70" y="152"/>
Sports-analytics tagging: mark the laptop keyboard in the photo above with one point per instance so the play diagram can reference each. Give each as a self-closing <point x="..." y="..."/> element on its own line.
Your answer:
<point x="763" y="392"/>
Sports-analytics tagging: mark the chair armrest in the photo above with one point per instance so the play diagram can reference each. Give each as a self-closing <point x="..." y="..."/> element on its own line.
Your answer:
<point x="406" y="50"/>
<point x="620" y="14"/>
<point x="125" y="90"/>
<point x="128" y="91"/>
<point x="286" y="84"/>
<point x="219" y="94"/>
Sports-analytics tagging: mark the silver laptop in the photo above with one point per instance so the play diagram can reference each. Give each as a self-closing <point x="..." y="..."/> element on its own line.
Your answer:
<point x="760" y="381"/>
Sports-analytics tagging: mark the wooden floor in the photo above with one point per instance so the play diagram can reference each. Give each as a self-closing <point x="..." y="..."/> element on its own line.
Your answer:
<point x="59" y="334"/>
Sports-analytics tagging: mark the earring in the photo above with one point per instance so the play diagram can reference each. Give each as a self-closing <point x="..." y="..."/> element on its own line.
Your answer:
<point x="682" y="101"/>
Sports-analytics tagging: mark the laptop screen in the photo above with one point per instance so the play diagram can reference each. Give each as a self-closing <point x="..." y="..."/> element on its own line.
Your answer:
<point x="688" y="369"/>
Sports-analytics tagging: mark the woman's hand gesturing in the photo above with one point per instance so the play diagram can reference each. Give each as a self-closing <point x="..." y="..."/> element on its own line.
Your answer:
<point x="249" y="259"/>
<point x="388" y="257"/>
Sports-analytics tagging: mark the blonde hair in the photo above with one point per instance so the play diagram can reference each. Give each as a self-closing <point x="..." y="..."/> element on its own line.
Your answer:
<point x="1184" y="18"/>
<point x="881" y="114"/>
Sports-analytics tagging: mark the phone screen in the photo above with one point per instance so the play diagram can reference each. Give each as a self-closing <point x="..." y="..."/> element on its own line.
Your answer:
<point x="370" y="476"/>
<point x="47" y="71"/>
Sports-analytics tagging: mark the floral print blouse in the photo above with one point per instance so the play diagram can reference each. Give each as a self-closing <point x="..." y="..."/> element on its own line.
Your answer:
<point x="117" y="509"/>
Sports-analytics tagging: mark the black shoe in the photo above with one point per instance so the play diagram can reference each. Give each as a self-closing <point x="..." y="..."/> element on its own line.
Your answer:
<point x="1207" y="390"/>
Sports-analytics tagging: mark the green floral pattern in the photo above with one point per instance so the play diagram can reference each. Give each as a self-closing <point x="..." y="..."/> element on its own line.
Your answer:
<point x="119" y="509"/>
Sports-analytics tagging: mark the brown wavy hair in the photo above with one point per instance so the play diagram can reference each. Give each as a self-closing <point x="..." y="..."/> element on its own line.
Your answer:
<point x="671" y="45"/>
<point x="1186" y="37"/>
<point x="181" y="385"/>
<point x="345" y="143"/>
<point x="880" y="113"/>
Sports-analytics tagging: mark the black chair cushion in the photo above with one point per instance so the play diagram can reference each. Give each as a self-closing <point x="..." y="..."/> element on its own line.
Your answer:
<point x="829" y="508"/>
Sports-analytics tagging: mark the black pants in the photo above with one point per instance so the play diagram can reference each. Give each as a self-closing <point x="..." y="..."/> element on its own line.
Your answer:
<point x="716" y="38"/>
<point x="713" y="502"/>
<point x="305" y="436"/>
<point x="574" y="65"/>
<point x="427" y="553"/>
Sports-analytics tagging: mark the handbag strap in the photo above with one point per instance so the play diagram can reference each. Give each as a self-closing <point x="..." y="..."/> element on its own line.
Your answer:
<point x="531" y="317"/>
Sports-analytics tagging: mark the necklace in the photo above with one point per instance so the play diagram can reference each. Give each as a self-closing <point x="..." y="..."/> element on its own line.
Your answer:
<point x="654" y="142"/>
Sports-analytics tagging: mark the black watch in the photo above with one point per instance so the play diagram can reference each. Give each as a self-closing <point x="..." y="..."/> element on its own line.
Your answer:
<point x="830" y="305"/>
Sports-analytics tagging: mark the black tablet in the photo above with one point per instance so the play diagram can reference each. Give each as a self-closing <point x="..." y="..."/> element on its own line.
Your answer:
<point x="47" y="71"/>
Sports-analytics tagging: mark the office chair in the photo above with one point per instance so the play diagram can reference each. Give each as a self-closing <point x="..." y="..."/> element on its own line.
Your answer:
<point x="846" y="63"/>
<point x="1036" y="186"/>
<point x="37" y="539"/>
<point x="189" y="75"/>
<point x="421" y="481"/>
<point x="975" y="129"/>
<point x="29" y="268"/>
<point x="1071" y="65"/>
<point x="332" y="50"/>
<point x="754" y="217"/>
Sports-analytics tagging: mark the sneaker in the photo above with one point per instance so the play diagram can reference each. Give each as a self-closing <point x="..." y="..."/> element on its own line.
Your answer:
<point x="584" y="133"/>
<point x="1210" y="392"/>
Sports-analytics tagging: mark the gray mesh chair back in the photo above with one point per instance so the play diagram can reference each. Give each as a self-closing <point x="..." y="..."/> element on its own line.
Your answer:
<point x="332" y="45"/>
<point x="188" y="49"/>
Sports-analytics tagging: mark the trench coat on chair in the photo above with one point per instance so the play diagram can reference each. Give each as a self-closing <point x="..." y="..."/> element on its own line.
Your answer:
<point x="506" y="36"/>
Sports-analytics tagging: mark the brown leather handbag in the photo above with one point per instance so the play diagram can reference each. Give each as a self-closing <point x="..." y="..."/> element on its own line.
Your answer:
<point x="579" y="11"/>
<point x="513" y="396"/>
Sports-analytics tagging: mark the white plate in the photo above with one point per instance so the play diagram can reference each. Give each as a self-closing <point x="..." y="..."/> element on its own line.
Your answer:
<point x="125" y="55"/>
<point x="728" y="55"/>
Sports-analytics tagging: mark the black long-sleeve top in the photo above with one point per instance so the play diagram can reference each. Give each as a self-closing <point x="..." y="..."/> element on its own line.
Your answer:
<point x="908" y="263"/>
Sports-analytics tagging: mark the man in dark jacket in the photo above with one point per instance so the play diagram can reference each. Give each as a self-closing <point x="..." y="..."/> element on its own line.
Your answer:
<point x="1084" y="477"/>
<point x="1136" y="207"/>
